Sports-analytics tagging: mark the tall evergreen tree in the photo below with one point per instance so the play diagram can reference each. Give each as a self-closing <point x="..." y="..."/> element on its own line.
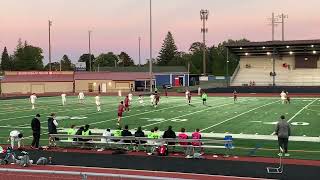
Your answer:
<point x="6" y="63"/>
<point x="27" y="57"/>
<point x="168" y="50"/>
<point x="85" y="58"/>
<point x="125" y="59"/>
<point x="66" y="63"/>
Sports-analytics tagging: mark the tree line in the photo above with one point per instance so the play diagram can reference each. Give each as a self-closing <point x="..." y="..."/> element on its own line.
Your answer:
<point x="28" y="57"/>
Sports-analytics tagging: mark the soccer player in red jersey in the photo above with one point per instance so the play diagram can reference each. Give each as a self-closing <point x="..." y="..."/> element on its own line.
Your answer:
<point x="120" y="111"/>
<point x="126" y="103"/>
<point x="157" y="97"/>
<point x="235" y="96"/>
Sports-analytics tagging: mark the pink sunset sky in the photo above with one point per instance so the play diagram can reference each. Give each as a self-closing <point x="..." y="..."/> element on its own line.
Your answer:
<point x="117" y="24"/>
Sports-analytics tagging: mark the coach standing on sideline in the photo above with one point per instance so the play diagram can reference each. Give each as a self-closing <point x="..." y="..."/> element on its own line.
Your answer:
<point x="283" y="131"/>
<point x="36" y="128"/>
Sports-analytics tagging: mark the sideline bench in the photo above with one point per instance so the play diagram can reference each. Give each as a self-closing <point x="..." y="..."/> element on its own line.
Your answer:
<point x="131" y="142"/>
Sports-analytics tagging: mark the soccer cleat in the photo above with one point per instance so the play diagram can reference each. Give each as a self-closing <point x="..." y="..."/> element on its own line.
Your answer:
<point x="280" y="154"/>
<point x="286" y="154"/>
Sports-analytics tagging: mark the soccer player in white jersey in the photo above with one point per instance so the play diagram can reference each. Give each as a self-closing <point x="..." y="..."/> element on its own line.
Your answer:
<point x="97" y="98"/>
<point x="119" y="93"/>
<point x="140" y="98"/>
<point x="63" y="98"/>
<point x="33" y="98"/>
<point x="130" y="97"/>
<point x="152" y="99"/>
<point x="187" y="95"/>
<point x="81" y="97"/>
<point x="283" y="97"/>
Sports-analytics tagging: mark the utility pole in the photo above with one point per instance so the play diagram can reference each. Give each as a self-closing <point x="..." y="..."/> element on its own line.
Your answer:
<point x="204" y="17"/>
<point x="150" y="60"/>
<point x="89" y="49"/>
<point x="50" y="24"/>
<point x="139" y="51"/>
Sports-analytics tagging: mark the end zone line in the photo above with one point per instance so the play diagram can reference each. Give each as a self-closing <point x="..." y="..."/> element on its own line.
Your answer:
<point x="306" y="106"/>
<point x="236" y="116"/>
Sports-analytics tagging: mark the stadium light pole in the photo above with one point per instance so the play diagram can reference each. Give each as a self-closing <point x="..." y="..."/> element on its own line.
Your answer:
<point x="204" y="17"/>
<point x="282" y="16"/>
<point x="50" y="24"/>
<point x="227" y="68"/>
<point x="89" y="33"/>
<point x="139" y="51"/>
<point x="150" y="60"/>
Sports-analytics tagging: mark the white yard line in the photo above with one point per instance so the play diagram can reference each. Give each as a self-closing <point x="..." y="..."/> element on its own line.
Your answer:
<point x="306" y="106"/>
<point x="190" y="114"/>
<point x="301" y="110"/>
<point x="237" y="116"/>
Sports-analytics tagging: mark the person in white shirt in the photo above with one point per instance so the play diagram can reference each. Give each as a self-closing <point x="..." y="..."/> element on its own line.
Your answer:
<point x="15" y="136"/>
<point x="140" y="98"/>
<point x="63" y="98"/>
<point x="152" y="99"/>
<point x="107" y="133"/>
<point x="97" y="98"/>
<point x="283" y="96"/>
<point x="81" y="97"/>
<point x="33" y="98"/>
<point x="130" y="97"/>
<point x="199" y="91"/>
<point x="187" y="95"/>
<point x="119" y="93"/>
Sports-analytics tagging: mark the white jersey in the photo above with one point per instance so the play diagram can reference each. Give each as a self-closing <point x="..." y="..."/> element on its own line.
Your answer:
<point x="187" y="94"/>
<point x="151" y="98"/>
<point x="97" y="98"/>
<point x="119" y="93"/>
<point x="63" y="96"/>
<point x="33" y="99"/>
<point x="130" y="96"/>
<point x="199" y="91"/>
<point x="81" y="95"/>
<point x="283" y="95"/>
<point x="140" y="100"/>
<point x="14" y="133"/>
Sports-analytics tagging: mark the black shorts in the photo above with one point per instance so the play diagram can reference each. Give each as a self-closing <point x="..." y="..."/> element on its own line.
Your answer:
<point x="204" y="99"/>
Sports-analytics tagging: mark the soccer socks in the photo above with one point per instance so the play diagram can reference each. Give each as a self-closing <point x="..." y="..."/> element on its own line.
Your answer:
<point x="98" y="108"/>
<point x="33" y="107"/>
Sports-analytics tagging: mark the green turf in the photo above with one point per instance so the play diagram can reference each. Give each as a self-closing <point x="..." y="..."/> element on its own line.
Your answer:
<point x="247" y="116"/>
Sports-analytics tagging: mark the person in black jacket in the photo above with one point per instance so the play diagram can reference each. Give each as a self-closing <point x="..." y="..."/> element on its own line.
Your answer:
<point x="170" y="134"/>
<point x="126" y="132"/>
<point x="52" y="128"/>
<point x="36" y="129"/>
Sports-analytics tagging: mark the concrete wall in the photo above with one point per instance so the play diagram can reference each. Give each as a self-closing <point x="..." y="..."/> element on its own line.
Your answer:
<point x="36" y="87"/>
<point x="266" y="61"/>
<point x="111" y="86"/>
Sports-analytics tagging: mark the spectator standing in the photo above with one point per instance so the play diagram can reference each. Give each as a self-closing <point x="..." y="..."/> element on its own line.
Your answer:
<point x="52" y="128"/>
<point x="283" y="132"/>
<point x="36" y="129"/>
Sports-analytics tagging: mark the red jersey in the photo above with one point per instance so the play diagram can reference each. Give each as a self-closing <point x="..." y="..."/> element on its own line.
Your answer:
<point x="183" y="136"/>
<point x="196" y="135"/>
<point x="120" y="108"/>
<point x="126" y="101"/>
<point x="235" y="94"/>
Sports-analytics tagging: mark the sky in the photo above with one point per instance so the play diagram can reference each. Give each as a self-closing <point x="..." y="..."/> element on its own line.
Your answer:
<point x="116" y="25"/>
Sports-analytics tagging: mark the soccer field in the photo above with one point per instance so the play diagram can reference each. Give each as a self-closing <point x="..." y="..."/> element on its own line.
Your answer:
<point x="246" y="119"/>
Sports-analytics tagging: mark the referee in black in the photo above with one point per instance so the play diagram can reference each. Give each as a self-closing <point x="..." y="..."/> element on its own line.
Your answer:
<point x="36" y="129"/>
